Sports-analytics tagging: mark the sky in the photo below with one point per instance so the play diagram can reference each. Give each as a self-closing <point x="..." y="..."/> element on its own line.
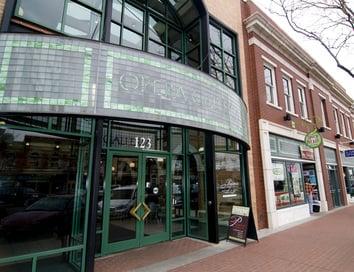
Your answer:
<point x="313" y="48"/>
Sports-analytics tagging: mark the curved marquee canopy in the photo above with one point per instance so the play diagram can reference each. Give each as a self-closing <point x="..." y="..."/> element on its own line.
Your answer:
<point x="59" y="75"/>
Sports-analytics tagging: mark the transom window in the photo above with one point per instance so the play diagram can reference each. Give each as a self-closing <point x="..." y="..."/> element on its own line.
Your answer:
<point x="77" y="18"/>
<point x="269" y="79"/>
<point x="302" y="101"/>
<point x="336" y="121"/>
<point x="223" y="56"/>
<point x="289" y="99"/>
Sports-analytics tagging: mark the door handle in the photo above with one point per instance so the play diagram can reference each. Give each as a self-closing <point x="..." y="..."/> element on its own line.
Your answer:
<point x="147" y="211"/>
<point x="134" y="210"/>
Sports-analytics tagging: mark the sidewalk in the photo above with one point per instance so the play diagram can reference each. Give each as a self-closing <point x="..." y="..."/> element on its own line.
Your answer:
<point x="325" y="244"/>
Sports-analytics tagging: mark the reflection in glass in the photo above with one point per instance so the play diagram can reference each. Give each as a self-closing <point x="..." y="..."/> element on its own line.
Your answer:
<point x="197" y="196"/>
<point x="156" y="48"/>
<point x="115" y="33"/>
<point x="229" y="64"/>
<point x="131" y="39"/>
<point x="60" y="262"/>
<point x="215" y="57"/>
<point x="230" y="81"/>
<point x="157" y="5"/>
<point x="42" y="193"/>
<point x="176" y="140"/>
<point x="81" y="22"/>
<point x="196" y="141"/>
<point x="157" y="30"/>
<point x="174" y="38"/>
<point x="46" y="13"/>
<point x="217" y="74"/>
<point x="215" y="35"/>
<point x="133" y="18"/>
<point x="93" y="3"/>
<point x="117" y="11"/>
<point x="193" y="58"/>
<point x="193" y="37"/>
<point x="228" y="186"/>
<point x="297" y="194"/>
<point x="280" y="185"/>
<point x="177" y="187"/>
<point x="227" y="43"/>
<point x="124" y="181"/>
<point x="19" y="266"/>
<point x="155" y="195"/>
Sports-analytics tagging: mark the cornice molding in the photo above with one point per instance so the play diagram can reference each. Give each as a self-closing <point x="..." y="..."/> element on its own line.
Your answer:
<point x="260" y="25"/>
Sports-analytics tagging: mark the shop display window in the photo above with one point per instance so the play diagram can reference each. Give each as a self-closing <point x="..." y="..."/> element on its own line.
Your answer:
<point x="288" y="184"/>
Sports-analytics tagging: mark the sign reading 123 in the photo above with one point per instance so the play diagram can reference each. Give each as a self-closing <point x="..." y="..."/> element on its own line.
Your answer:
<point x="143" y="143"/>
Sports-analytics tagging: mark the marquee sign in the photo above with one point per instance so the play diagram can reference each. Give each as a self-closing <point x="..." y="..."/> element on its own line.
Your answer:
<point x="60" y="75"/>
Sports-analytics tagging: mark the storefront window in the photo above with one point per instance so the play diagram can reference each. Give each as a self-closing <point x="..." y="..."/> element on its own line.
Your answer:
<point x="43" y="182"/>
<point x="288" y="184"/>
<point x="197" y="188"/>
<point x="229" y="187"/>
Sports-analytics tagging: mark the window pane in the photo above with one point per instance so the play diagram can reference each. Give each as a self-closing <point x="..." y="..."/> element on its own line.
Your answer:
<point x="174" y="38"/>
<point x="215" y="57"/>
<point x="229" y="64"/>
<point x="176" y="140"/>
<point x="132" y="39"/>
<point x="193" y="37"/>
<point x="115" y="33"/>
<point x="156" y="48"/>
<point x="197" y="199"/>
<point x="196" y="141"/>
<point x="157" y="30"/>
<point x="46" y="13"/>
<point x="93" y="3"/>
<point x="230" y="81"/>
<point x="280" y="185"/>
<point x="216" y="73"/>
<point x="82" y="22"/>
<point x="297" y="195"/>
<point x="220" y="143"/>
<point x="175" y="56"/>
<point x="215" y="35"/>
<point x="117" y="11"/>
<point x="229" y="187"/>
<point x="42" y="192"/>
<point x="157" y="5"/>
<point x="268" y="76"/>
<point x="193" y="58"/>
<point x="133" y="18"/>
<point x="177" y="187"/>
<point x="227" y="43"/>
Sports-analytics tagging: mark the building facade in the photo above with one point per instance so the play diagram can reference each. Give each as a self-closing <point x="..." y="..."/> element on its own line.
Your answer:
<point x="291" y="95"/>
<point x="122" y="123"/>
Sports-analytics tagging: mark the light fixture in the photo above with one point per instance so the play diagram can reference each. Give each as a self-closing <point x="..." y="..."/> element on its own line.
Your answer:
<point x="337" y="136"/>
<point x="27" y="144"/>
<point x="57" y="146"/>
<point x="113" y="168"/>
<point x="321" y="129"/>
<point x="287" y="117"/>
<point x="131" y="164"/>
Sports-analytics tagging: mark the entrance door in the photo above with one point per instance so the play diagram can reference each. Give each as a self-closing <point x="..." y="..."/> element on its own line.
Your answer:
<point x="136" y="199"/>
<point x="333" y="180"/>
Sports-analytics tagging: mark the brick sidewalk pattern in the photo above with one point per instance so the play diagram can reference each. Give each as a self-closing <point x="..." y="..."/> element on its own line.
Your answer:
<point x="132" y="259"/>
<point x="325" y="244"/>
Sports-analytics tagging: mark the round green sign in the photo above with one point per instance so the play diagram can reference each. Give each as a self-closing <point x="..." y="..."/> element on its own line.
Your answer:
<point x="313" y="139"/>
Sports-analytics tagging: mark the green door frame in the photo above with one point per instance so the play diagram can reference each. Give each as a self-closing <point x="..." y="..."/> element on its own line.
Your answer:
<point x="140" y="240"/>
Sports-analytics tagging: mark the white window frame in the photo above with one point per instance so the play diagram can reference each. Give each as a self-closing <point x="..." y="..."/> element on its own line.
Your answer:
<point x="302" y="101"/>
<point x="324" y="111"/>
<point x="273" y="88"/>
<point x="336" y="120"/>
<point x="288" y="95"/>
<point x="349" y="128"/>
<point x="344" y="129"/>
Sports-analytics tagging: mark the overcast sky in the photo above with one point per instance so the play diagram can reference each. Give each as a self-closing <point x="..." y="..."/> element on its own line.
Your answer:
<point x="314" y="49"/>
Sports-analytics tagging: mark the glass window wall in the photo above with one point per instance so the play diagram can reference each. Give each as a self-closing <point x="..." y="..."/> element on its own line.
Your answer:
<point x="43" y="182"/>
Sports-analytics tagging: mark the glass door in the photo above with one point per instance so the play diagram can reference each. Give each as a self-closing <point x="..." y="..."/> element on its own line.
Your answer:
<point x="135" y="205"/>
<point x="335" y="191"/>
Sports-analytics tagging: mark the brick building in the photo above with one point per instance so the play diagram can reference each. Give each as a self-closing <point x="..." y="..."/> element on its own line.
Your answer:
<point x="290" y="95"/>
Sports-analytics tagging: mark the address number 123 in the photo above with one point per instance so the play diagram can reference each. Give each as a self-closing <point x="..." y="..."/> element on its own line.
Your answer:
<point x="143" y="143"/>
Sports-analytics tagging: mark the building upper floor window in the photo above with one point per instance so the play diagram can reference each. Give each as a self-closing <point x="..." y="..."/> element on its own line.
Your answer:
<point x="336" y="121"/>
<point x="342" y="118"/>
<point x="324" y="113"/>
<point x="302" y="101"/>
<point x="288" y="93"/>
<point x="223" y="57"/>
<point x="270" y="87"/>
<point x="79" y="18"/>
<point x="349" y="128"/>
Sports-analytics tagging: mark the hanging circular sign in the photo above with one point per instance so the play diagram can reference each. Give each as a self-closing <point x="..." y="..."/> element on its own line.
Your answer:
<point x="313" y="139"/>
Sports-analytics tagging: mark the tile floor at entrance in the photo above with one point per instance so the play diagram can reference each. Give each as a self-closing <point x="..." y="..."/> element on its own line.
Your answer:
<point x="145" y="256"/>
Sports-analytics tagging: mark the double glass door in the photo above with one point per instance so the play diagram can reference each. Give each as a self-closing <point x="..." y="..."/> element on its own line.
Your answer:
<point x="135" y="205"/>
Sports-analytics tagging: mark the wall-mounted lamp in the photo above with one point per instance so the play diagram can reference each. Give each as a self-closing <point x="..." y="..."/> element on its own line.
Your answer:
<point x="321" y="129"/>
<point x="287" y="117"/>
<point x="337" y="136"/>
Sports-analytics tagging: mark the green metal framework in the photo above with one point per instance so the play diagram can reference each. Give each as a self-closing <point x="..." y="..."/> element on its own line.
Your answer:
<point x="76" y="246"/>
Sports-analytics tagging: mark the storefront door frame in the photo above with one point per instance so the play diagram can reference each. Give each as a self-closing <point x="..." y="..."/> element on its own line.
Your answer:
<point x="139" y="240"/>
